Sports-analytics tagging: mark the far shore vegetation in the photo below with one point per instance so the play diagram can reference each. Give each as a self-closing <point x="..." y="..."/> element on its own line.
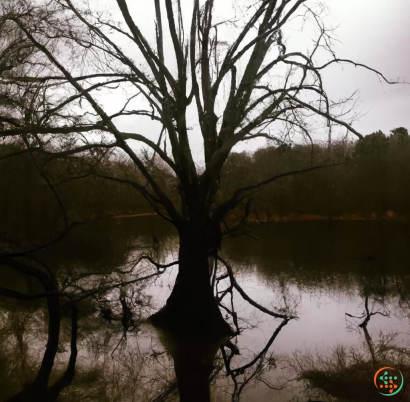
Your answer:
<point x="365" y="180"/>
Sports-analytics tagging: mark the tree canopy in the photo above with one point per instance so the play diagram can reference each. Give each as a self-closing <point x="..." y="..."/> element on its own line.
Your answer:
<point x="76" y="84"/>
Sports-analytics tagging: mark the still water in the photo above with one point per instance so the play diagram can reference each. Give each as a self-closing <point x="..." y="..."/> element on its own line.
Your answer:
<point x="346" y="283"/>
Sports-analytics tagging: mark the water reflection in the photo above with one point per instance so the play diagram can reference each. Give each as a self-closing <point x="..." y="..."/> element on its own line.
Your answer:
<point x="353" y="268"/>
<point x="347" y="283"/>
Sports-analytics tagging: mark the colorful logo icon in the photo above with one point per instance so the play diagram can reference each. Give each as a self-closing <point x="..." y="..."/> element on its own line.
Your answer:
<point x="388" y="381"/>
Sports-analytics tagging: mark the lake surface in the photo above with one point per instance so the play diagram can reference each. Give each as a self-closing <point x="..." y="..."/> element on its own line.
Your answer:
<point x="330" y="275"/>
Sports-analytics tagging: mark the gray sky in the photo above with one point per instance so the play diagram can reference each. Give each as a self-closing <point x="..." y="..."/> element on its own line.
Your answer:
<point x="376" y="33"/>
<point x="372" y="32"/>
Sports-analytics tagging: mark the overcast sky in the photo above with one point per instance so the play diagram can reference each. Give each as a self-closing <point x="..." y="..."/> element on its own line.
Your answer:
<point x="372" y="32"/>
<point x="377" y="33"/>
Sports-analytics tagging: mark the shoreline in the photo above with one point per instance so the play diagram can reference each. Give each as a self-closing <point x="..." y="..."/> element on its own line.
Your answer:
<point x="295" y="217"/>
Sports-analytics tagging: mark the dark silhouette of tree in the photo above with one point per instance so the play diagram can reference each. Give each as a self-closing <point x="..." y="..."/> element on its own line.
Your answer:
<point x="400" y="136"/>
<point x="237" y="98"/>
<point x="375" y="144"/>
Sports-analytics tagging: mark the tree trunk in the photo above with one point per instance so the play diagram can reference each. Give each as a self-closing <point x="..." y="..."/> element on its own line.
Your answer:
<point x="37" y="391"/>
<point x="193" y="367"/>
<point x="53" y="305"/>
<point x="191" y="324"/>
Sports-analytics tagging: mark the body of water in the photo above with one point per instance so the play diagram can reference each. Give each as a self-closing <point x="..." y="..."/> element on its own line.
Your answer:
<point x="346" y="283"/>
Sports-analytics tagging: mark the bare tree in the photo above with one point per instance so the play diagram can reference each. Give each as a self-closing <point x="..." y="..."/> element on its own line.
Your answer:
<point x="75" y="289"/>
<point x="242" y="90"/>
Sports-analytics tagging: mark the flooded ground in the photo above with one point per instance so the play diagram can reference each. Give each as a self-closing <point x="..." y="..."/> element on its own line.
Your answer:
<point x="346" y="283"/>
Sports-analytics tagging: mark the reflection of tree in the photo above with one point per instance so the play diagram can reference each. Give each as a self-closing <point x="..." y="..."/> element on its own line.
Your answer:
<point x="403" y="289"/>
<point x="242" y="375"/>
<point x="319" y="255"/>
<point x="39" y="389"/>
<point x="134" y="373"/>
<point x="17" y="368"/>
<point x="106" y="379"/>
<point x="346" y="373"/>
<point x="367" y="315"/>
<point x="72" y="293"/>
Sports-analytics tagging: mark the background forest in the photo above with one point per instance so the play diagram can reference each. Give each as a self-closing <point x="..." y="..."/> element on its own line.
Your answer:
<point x="369" y="180"/>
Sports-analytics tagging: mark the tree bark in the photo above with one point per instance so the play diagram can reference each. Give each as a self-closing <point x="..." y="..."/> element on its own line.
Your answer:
<point x="37" y="392"/>
<point x="193" y="367"/>
<point x="191" y="324"/>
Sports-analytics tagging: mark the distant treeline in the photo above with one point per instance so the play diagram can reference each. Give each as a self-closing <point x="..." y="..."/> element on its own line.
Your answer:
<point x="370" y="178"/>
<point x="39" y="192"/>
